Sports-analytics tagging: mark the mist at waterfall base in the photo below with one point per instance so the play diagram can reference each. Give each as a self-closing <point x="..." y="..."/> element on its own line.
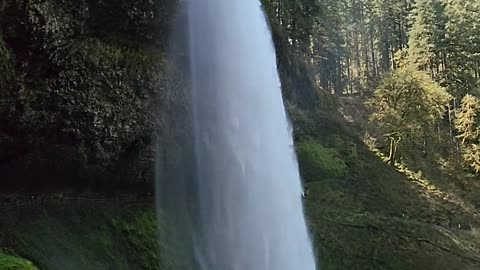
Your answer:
<point x="245" y="209"/>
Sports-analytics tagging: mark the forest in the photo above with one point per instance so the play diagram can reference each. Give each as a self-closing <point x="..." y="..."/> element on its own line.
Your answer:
<point x="383" y="96"/>
<point x="414" y="62"/>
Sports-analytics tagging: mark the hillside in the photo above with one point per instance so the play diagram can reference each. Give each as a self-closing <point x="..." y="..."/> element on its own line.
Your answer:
<point x="377" y="216"/>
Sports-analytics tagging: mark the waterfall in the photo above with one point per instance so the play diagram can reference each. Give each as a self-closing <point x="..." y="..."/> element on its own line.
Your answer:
<point x="248" y="205"/>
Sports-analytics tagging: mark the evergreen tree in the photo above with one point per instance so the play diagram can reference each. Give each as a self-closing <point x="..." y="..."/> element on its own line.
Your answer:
<point x="468" y="119"/>
<point x="391" y="20"/>
<point x="427" y="35"/>
<point x="406" y="52"/>
<point x="329" y="46"/>
<point x="468" y="126"/>
<point x="463" y="45"/>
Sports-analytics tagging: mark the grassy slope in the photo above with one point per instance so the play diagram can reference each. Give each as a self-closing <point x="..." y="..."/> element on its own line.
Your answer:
<point x="381" y="217"/>
<point x="70" y="238"/>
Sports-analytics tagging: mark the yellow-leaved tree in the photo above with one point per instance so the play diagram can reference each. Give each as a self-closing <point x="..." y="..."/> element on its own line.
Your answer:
<point x="407" y="107"/>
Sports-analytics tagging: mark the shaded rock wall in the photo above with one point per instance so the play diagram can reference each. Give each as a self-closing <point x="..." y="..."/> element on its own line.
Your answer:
<point x="82" y="84"/>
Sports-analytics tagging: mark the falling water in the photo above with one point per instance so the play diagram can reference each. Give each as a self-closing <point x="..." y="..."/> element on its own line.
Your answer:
<point x="249" y="212"/>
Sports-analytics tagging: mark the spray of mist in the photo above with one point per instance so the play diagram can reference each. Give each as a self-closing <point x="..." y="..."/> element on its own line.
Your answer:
<point x="248" y="211"/>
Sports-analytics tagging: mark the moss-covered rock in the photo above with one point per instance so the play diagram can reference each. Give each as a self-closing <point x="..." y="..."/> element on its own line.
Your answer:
<point x="318" y="162"/>
<point x="6" y="65"/>
<point x="7" y="74"/>
<point x="9" y="262"/>
<point x="91" y="88"/>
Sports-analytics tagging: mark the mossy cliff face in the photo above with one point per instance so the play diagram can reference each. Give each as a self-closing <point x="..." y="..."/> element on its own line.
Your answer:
<point x="84" y="86"/>
<point x="81" y="82"/>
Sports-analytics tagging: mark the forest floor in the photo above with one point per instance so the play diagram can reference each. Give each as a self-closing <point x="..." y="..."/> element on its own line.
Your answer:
<point x="449" y="190"/>
<point x="351" y="240"/>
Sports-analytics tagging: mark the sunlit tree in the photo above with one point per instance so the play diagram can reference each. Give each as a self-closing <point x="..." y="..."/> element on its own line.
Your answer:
<point x="406" y="107"/>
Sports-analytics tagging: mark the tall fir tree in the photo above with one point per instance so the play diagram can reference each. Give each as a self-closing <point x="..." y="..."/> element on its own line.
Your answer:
<point x="427" y="36"/>
<point x="468" y="126"/>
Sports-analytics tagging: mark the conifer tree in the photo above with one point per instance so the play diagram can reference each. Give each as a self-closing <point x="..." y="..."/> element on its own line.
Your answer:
<point x="427" y="35"/>
<point x="468" y="126"/>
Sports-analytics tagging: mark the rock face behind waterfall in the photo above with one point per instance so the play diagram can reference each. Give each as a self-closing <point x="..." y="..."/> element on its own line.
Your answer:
<point x="79" y="81"/>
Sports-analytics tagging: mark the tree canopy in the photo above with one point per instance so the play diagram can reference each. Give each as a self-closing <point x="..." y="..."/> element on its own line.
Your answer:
<point x="418" y="59"/>
<point x="407" y="106"/>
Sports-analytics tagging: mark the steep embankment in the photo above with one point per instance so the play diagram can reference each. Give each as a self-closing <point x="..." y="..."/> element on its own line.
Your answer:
<point x="366" y="214"/>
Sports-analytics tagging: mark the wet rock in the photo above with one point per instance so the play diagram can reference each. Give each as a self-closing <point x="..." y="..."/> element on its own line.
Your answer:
<point x="83" y="87"/>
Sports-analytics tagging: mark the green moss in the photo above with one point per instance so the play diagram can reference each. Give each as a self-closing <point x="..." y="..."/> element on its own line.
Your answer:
<point x="77" y="238"/>
<point x="7" y="75"/>
<point x="137" y="235"/>
<point x="8" y="262"/>
<point x="318" y="162"/>
<point x="6" y="65"/>
<point x="57" y="237"/>
<point x="105" y="95"/>
<point x="113" y="53"/>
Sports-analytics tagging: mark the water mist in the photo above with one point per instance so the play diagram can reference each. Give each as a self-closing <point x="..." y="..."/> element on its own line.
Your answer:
<point x="248" y="205"/>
